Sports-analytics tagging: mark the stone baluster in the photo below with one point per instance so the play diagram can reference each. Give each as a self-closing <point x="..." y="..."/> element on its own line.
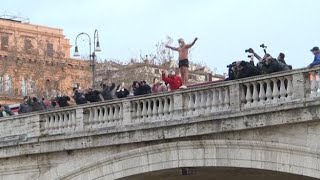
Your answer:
<point x="67" y="120"/>
<point x="108" y="114"/>
<point x="116" y="114"/>
<point x="243" y="95"/>
<point x="314" y="84"/>
<point x="248" y="95"/>
<point x="101" y="116"/>
<point x="121" y="112"/>
<point x="160" y="110"/>
<point x="112" y="112"/>
<point x="262" y="93"/>
<point x="138" y="110"/>
<point x="144" y="108"/>
<point x="226" y="98"/>
<point x="52" y="122"/>
<point x="196" y="101"/>
<point x="149" y="110"/>
<point x="208" y="100"/>
<point x="269" y="91"/>
<point x="215" y="100"/>
<point x="283" y="91"/>
<point x="105" y="115"/>
<point x="289" y="87"/>
<point x="155" y="109"/>
<point x="166" y="106"/>
<point x="134" y="110"/>
<point x="204" y="97"/>
<point x="275" y="91"/>
<point x="171" y="107"/>
<point x="221" y="98"/>
<point x="255" y="95"/>
<point x="95" y="117"/>
<point x="60" y="122"/>
<point x="48" y="123"/>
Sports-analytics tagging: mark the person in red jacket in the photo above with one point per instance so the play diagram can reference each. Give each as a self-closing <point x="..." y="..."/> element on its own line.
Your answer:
<point x="173" y="80"/>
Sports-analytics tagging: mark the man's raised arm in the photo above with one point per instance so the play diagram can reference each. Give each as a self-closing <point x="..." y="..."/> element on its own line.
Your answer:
<point x="194" y="41"/>
<point x="172" y="48"/>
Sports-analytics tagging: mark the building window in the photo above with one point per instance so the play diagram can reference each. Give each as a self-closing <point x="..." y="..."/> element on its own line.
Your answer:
<point x="32" y="86"/>
<point x="24" y="87"/>
<point x="8" y="84"/>
<point x="4" y="42"/>
<point x="76" y="85"/>
<point x="50" y="49"/>
<point x="1" y="84"/>
<point x="27" y="45"/>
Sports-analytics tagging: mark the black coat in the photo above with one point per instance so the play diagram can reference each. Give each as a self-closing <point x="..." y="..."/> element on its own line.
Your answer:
<point x="79" y="98"/>
<point x="107" y="92"/>
<point x="63" y="101"/>
<point x="142" y="90"/>
<point x="93" y="96"/>
<point x="122" y="93"/>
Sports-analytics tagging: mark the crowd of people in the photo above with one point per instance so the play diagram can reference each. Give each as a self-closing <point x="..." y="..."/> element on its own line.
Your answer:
<point x="107" y="91"/>
<point x="266" y="65"/>
<point x="169" y="81"/>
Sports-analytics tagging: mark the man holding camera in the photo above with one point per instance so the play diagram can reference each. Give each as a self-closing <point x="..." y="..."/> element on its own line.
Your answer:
<point x="268" y="64"/>
<point x="183" y="51"/>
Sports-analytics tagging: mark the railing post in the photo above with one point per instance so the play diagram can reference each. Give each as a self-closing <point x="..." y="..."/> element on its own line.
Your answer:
<point x="33" y="127"/>
<point x="178" y="104"/>
<point x="235" y="96"/>
<point x="126" y="105"/>
<point x="299" y="86"/>
<point x="79" y="118"/>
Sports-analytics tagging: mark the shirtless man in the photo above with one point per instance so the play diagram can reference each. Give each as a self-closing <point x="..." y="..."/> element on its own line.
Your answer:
<point x="183" y="51"/>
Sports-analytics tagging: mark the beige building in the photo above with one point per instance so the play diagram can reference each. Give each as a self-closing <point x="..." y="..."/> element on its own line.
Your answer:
<point x="147" y="70"/>
<point x="36" y="60"/>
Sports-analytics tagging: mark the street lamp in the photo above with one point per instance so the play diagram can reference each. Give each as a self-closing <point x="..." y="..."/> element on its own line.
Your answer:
<point x="96" y="48"/>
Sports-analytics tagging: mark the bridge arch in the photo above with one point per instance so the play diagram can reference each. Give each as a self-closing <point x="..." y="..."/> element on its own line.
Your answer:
<point x="269" y="156"/>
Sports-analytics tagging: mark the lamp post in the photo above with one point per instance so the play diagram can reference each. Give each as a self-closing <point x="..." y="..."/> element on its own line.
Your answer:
<point x="96" y="48"/>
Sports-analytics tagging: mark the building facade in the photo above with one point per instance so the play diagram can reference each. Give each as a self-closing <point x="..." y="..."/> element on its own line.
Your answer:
<point x="35" y="60"/>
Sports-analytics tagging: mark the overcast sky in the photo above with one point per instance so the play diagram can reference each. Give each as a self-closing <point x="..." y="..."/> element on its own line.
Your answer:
<point x="225" y="28"/>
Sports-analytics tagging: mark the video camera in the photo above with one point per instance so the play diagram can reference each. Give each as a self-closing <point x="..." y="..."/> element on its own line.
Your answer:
<point x="264" y="47"/>
<point x="231" y="65"/>
<point x="250" y="50"/>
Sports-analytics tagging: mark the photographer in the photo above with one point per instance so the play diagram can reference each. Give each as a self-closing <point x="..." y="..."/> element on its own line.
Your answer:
<point x="268" y="64"/>
<point x="242" y="69"/>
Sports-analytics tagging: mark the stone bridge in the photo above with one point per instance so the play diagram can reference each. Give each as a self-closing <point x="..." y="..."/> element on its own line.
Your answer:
<point x="264" y="127"/>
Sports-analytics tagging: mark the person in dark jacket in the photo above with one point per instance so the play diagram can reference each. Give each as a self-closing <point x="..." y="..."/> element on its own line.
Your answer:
<point x="268" y="65"/>
<point x="107" y="90"/>
<point x="79" y="97"/>
<point x="93" y="95"/>
<point x="63" y="101"/>
<point x="121" y="91"/>
<point x="246" y="69"/>
<point x="24" y="107"/>
<point x="283" y="62"/>
<point x="36" y="105"/>
<point x="141" y="88"/>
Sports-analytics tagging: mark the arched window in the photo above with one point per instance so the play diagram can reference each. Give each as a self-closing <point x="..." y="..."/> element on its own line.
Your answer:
<point x="8" y="83"/>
